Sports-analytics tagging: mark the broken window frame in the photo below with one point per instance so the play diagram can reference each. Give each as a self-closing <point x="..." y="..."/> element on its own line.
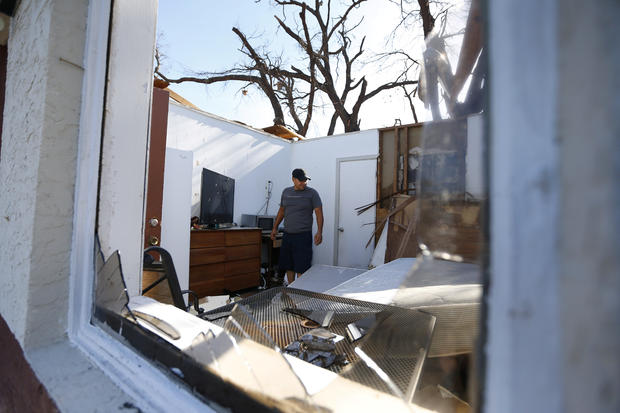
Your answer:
<point x="85" y="332"/>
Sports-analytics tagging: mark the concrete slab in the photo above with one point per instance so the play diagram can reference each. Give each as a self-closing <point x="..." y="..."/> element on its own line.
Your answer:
<point x="320" y="278"/>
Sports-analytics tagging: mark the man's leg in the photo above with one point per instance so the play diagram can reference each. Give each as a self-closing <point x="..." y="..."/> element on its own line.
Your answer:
<point x="302" y="254"/>
<point x="290" y="276"/>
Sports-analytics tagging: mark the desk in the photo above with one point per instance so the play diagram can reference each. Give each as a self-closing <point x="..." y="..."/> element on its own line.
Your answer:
<point x="224" y="260"/>
<point x="270" y="253"/>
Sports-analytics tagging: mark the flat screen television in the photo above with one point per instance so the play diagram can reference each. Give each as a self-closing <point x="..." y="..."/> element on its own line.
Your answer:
<point x="217" y="197"/>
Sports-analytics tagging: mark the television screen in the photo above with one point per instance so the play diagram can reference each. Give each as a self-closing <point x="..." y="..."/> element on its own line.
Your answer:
<point x="217" y="197"/>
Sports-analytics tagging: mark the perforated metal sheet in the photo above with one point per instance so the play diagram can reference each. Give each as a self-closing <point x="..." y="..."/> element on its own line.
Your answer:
<point x="398" y="344"/>
<point x="456" y="329"/>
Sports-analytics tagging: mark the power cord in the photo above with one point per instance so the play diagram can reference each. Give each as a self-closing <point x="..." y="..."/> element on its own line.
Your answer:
<point x="268" y="188"/>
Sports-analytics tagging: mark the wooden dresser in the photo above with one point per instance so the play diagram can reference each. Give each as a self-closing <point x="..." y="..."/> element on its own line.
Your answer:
<point x="224" y="259"/>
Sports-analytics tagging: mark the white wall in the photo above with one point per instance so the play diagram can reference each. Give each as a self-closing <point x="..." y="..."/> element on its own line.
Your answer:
<point x="318" y="158"/>
<point x="252" y="158"/>
<point x="176" y="211"/>
<point x="249" y="156"/>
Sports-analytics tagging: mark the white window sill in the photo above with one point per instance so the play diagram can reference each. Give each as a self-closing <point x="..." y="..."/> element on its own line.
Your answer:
<point x="95" y="372"/>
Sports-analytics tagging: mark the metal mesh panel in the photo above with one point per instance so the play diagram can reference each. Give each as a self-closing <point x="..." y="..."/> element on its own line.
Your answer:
<point x="397" y="343"/>
<point x="456" y="329"/>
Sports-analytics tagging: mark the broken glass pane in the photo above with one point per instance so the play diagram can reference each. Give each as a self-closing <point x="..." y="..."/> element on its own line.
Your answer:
<point x="110" y="288"/>
<point x="451" y="196"/>
<point x="393" y="351"/>
<point x="389" y="362"/>
<point x="206" y="347"/>
<point x="267" y="369"/>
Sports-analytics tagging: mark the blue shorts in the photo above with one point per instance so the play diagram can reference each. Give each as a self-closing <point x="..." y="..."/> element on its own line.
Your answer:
<point x="296" y="252"/>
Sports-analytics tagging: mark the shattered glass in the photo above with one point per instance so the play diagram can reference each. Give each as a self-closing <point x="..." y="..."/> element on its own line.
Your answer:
<point x="110" y="288"/>
<point x="417" y="349"/>
<point x="267" y="372"/>
<point x="451" y="198"/>
<point x="388" y="358"/>
<point x="393" y="351"/>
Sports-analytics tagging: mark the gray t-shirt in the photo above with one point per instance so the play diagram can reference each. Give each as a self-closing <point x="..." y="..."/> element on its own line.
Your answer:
<point x="298" y="207"/>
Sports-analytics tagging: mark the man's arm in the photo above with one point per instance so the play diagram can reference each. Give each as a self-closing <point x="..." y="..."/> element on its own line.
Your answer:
<point x="276" y="224"/>
<point x="318" y="237"/>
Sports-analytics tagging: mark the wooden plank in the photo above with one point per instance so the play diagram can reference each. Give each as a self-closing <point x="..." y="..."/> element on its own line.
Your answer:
<point x="406" y="160"/>
<point x="401" y="239"/>
<point x="395" y="172"/>
<point x="398" y="225"/>
<point x="389" y="214"/>
<point x="453" y="228"/>
<point x="406" y="238"/>
<point x="378" y="183"/>
<point x="387" y="164"/>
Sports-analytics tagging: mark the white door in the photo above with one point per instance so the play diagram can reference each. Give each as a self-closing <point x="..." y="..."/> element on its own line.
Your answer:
<point x="356" y="187"/>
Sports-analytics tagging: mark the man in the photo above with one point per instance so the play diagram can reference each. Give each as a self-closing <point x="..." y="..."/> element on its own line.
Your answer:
<point x="296" y="206"/>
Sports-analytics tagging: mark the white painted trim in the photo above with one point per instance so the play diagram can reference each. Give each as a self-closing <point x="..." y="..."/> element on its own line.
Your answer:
<point x="523" y="345"/>
<point x="337" y="196"/>
<point x="136" y="376"/>
<point x="124" y="149"/>
<point x="132" y="373"/>
<point x="89" y="142"/>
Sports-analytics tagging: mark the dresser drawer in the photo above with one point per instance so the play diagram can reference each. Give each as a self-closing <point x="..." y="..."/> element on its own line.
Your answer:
<point x="202" y="239"/>
<point x="199" y="256"/>
<point x="221" y="238"/>
<point x="225" y="259"/>
<point x="219" y="286"/>
<point x="223" y="269"/>
<point x="243" y="237"/>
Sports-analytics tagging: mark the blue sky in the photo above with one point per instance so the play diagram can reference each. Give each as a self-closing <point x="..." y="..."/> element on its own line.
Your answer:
<point x="196" y="35"/>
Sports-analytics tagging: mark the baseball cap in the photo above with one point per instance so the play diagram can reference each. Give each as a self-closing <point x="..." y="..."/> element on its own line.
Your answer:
<point x="300" y="174"/>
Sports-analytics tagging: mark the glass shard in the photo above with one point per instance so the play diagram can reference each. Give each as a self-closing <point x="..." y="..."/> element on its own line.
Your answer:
<point x="110" y="288"/>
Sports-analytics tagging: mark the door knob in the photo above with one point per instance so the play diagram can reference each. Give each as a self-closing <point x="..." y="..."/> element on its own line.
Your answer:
<point x="340" y="229"/>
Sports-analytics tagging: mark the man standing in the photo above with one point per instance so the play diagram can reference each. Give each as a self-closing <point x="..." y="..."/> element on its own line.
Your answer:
<point x="296" y="206"/>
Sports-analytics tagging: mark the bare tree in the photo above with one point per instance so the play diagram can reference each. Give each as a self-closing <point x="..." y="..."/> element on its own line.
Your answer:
<point x="259" y="72"/>
<point x="328" y="48"/>
<point x="331" y="66"/>
<point x="437" y="70"/>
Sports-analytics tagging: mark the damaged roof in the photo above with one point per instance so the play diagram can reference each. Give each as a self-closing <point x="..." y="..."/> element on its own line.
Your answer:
<point x="280" y="131"/>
